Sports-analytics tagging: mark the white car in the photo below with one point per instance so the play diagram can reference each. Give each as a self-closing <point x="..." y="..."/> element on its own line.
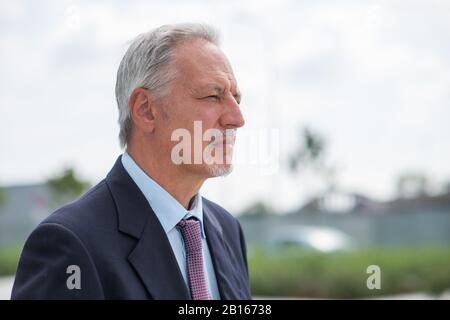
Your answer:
<point x="323" y="239"/>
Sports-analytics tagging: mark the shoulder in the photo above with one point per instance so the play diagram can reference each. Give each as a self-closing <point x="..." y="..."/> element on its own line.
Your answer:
<point x="62" y="241"/>
<point x="91" y="219"/>
<point x="219" y="212"/>
<point x="69" y="236"/>
<point x="86" y="212"/>
<point x="226" y="220"/>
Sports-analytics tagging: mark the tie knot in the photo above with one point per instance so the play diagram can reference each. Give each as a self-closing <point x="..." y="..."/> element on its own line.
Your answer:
<point x="188" y="223"/>
<point x="190" y="230"/>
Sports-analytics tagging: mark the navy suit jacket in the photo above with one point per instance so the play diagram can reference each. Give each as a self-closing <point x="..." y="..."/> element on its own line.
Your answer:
<point x="112" y="234"/>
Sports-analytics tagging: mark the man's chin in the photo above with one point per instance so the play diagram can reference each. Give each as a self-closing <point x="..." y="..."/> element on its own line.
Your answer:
<point x="219" y="170"/>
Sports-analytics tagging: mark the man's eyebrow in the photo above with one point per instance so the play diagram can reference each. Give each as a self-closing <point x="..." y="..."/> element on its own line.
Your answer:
<point x="220" y="90"/>
<point x="215" y="87"/>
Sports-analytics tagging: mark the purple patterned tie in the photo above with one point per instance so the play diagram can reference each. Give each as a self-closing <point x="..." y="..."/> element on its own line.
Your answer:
<point x="190" y="230"/>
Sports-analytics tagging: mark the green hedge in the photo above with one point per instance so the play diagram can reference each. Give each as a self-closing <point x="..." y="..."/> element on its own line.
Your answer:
<point x="295" y="273"/>
<point x="9" y="259"/>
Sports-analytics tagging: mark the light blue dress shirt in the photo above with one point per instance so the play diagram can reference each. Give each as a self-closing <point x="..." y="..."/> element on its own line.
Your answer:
<point x="169" y="212"/>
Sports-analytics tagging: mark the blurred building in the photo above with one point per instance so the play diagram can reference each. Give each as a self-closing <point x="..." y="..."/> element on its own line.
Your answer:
<point x="419" y="221"/>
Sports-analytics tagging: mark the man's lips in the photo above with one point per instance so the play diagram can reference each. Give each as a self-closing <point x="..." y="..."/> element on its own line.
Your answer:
<point x="227" y="142"/>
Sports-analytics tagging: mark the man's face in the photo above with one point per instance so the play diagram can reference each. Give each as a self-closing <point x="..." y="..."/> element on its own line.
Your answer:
<point x="204" y="90"/>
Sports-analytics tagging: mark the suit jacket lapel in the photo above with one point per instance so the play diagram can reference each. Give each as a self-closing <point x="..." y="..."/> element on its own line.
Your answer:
<point x="154" y="261"/>
<point x="220" y="254"/>
<point x="152" y="258"/>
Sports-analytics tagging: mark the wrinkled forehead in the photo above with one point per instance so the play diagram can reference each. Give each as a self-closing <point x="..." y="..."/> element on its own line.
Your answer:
<point x="200" y="62"/>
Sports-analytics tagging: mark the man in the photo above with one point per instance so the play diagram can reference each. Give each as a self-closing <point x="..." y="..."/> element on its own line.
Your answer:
<point x="145" y="232"/>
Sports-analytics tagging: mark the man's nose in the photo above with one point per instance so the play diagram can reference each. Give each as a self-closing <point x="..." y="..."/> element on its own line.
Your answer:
<point x="232" y="116"/>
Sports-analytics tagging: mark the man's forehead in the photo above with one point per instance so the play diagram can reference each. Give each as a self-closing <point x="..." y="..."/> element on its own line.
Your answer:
<point x="204" y="64"/>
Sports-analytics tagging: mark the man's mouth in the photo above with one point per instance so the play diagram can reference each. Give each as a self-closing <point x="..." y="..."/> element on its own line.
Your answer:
<point x="220" y="141"/>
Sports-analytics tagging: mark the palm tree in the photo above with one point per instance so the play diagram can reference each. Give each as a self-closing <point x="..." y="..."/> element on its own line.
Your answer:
<point x="311" y="154"/>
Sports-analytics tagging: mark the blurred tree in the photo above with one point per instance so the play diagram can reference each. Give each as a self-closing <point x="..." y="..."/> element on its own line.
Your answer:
<point x="256" y="210"/>
<point x="66" y="186"/>
<point x="412" y="184"/>
<point x="2" y="196"/>
<point x="311" y="154"/>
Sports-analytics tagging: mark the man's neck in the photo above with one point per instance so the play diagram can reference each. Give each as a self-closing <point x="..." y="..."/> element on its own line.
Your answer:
<point x="178" y="184"/>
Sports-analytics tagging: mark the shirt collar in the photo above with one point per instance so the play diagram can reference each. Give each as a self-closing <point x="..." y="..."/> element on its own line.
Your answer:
<point x="167" y="209"/>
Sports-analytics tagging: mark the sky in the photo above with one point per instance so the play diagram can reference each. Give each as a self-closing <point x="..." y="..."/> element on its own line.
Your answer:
<point x="372" y="77"/>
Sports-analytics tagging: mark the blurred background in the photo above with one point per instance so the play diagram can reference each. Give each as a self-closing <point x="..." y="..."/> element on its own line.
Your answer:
<point x="344" y="162"/>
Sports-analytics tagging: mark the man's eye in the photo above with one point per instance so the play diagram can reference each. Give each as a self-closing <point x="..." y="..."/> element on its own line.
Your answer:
<point x="213" y="97"/>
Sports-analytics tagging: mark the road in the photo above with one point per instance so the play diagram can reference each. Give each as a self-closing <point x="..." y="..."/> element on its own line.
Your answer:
<point x="6" y="284"/>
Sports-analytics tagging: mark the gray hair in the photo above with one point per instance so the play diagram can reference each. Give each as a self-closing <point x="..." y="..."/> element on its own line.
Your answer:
<point x="147" y="64"/>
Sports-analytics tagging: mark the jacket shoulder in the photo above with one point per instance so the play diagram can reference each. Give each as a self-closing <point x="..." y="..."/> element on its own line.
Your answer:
<point x="86" y="210"/>
<point x="227" y="221"/>
<point x="219" y="212"/>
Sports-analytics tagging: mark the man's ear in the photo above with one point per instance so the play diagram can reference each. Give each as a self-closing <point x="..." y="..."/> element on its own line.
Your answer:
<point x="142" y="109"/>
